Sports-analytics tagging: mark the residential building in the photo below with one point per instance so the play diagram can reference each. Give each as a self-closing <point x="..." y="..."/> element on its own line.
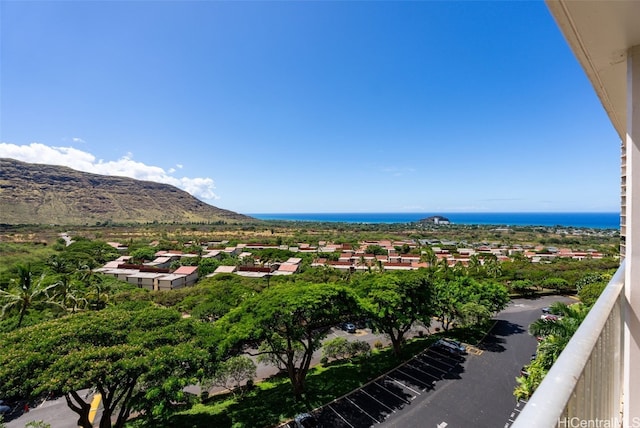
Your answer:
<point x="190" y="273"/>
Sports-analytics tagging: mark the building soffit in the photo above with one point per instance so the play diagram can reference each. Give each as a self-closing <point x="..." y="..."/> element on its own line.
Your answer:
<point x="600" y="32"/>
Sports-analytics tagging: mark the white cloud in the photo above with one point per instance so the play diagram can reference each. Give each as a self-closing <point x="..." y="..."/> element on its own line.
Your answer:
<point x="124" y="167"/>
<point x="78" y="140"/>
<point x="397" y="172"/>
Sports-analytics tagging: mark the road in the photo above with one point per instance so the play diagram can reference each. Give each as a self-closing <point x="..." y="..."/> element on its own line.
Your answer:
<point x="54" y="412"/>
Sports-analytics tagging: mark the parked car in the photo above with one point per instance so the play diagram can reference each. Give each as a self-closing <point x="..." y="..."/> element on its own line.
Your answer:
<point x="349" y="327"/>
<point x="305" y="420"/>
<point x="451" y="346"/>
<point x="524" y="372"/>
<point x="4" y="408"/>
<point x="549" y="317"/>
<point x="546" y="310"/>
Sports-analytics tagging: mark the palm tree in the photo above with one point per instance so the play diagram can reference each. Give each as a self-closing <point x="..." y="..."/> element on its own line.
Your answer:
<point x="570" y="317"/>
<point x="66" y="294"/>
<point x="58" y="265"/>
<point x="25" y="293"/>
<point x="443" y="265"/>
<point x="475" y="265"/>
<point x="429" y="257"/>
<point x="556" y="334"/>
<point x="96" y="293"/>
<point x="493" y="266"/>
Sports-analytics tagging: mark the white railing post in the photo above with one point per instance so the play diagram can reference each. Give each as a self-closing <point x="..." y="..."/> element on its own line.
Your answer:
<point x="632" y="252"/>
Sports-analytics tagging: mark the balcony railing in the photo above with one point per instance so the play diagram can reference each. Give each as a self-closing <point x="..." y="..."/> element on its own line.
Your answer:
<point x="584" y="386"/>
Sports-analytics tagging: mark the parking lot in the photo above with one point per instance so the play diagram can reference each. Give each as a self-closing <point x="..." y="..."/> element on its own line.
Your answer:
<point x="436" y="389"/>
<point x="381" y="398"/>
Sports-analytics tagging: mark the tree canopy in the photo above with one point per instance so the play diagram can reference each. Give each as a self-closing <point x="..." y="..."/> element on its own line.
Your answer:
<point x="453" y="300"/>
<point x="287" y="323"/>
<point x="135" y="359"/>
<point x="393" y="302"/>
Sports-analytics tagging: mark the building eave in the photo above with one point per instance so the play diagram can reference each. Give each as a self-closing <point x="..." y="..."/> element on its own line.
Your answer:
<point x="600" y="33"/>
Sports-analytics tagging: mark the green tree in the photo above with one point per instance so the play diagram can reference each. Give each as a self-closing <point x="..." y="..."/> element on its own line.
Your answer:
<point x="288" y="321"/>
<point x="473" y="313"/>
<point x="340" y="347"/>
<point x="26" y="292"/>
<point x="96" y="292"/>
<point x="135" y="359"/>
<point x="336" y="348"/>
<point x="558" y="284"/>
<point x="88" y="252"/>
<point x="589" y="293"/>
<point x="66" y="292"/>
<point x="451" y="296"/>
<point x="232" y="373"/>
<point x="429" y="257"/>
<point x="376" y="250"/>
<point x="522" y="286"/>
<point x="207" y="266"/>
<point x="589" y="278"/>
<point x="59" y="265"/>
<point x="492" y="266"/>
<point x="447" y="299"/>
<point x="143" y="254"/>
<point x="475" y="264"/>
<point x="395" y="301"/>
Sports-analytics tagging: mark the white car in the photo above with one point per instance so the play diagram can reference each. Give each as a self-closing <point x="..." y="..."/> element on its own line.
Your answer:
<point x="452" y="346"/>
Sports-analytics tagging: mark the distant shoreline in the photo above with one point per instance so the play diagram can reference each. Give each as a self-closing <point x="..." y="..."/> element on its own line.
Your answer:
<point x="591" y="220"/>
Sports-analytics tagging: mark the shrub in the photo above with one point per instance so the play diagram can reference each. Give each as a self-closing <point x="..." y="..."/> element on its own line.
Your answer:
<point x="589" y="293"/>
<point x="340" y="348"/>
<point x="358" y="348"/>
<point x="337" y="348"/>
<point x="37" y="424"/>
<point x="232" y="373"/>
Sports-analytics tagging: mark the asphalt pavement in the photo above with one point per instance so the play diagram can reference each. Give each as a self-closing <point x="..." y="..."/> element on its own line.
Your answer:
<point x="439" y="390"/>
<point x="55" y="412"/>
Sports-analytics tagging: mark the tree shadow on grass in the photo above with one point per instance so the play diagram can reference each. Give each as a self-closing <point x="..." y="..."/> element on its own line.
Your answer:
<point x="195" y="420"/>
<point x="259" y="408"/>
<point x="268" y="405"/>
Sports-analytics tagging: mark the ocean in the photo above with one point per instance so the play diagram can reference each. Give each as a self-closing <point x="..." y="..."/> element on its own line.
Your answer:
<point x="592" y="220"/>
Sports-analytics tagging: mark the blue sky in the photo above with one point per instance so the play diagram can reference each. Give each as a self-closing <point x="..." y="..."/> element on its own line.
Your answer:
<point x="311" y="106"/>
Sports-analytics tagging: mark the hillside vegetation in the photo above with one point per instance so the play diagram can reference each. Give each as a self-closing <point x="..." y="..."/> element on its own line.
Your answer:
<point x="48" y="194"/>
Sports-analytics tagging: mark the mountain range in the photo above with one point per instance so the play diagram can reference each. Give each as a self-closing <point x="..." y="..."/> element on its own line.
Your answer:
<point x="49" y="194"/>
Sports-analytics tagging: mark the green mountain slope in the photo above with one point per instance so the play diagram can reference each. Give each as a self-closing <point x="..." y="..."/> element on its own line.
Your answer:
<point x="49" y="194"/>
